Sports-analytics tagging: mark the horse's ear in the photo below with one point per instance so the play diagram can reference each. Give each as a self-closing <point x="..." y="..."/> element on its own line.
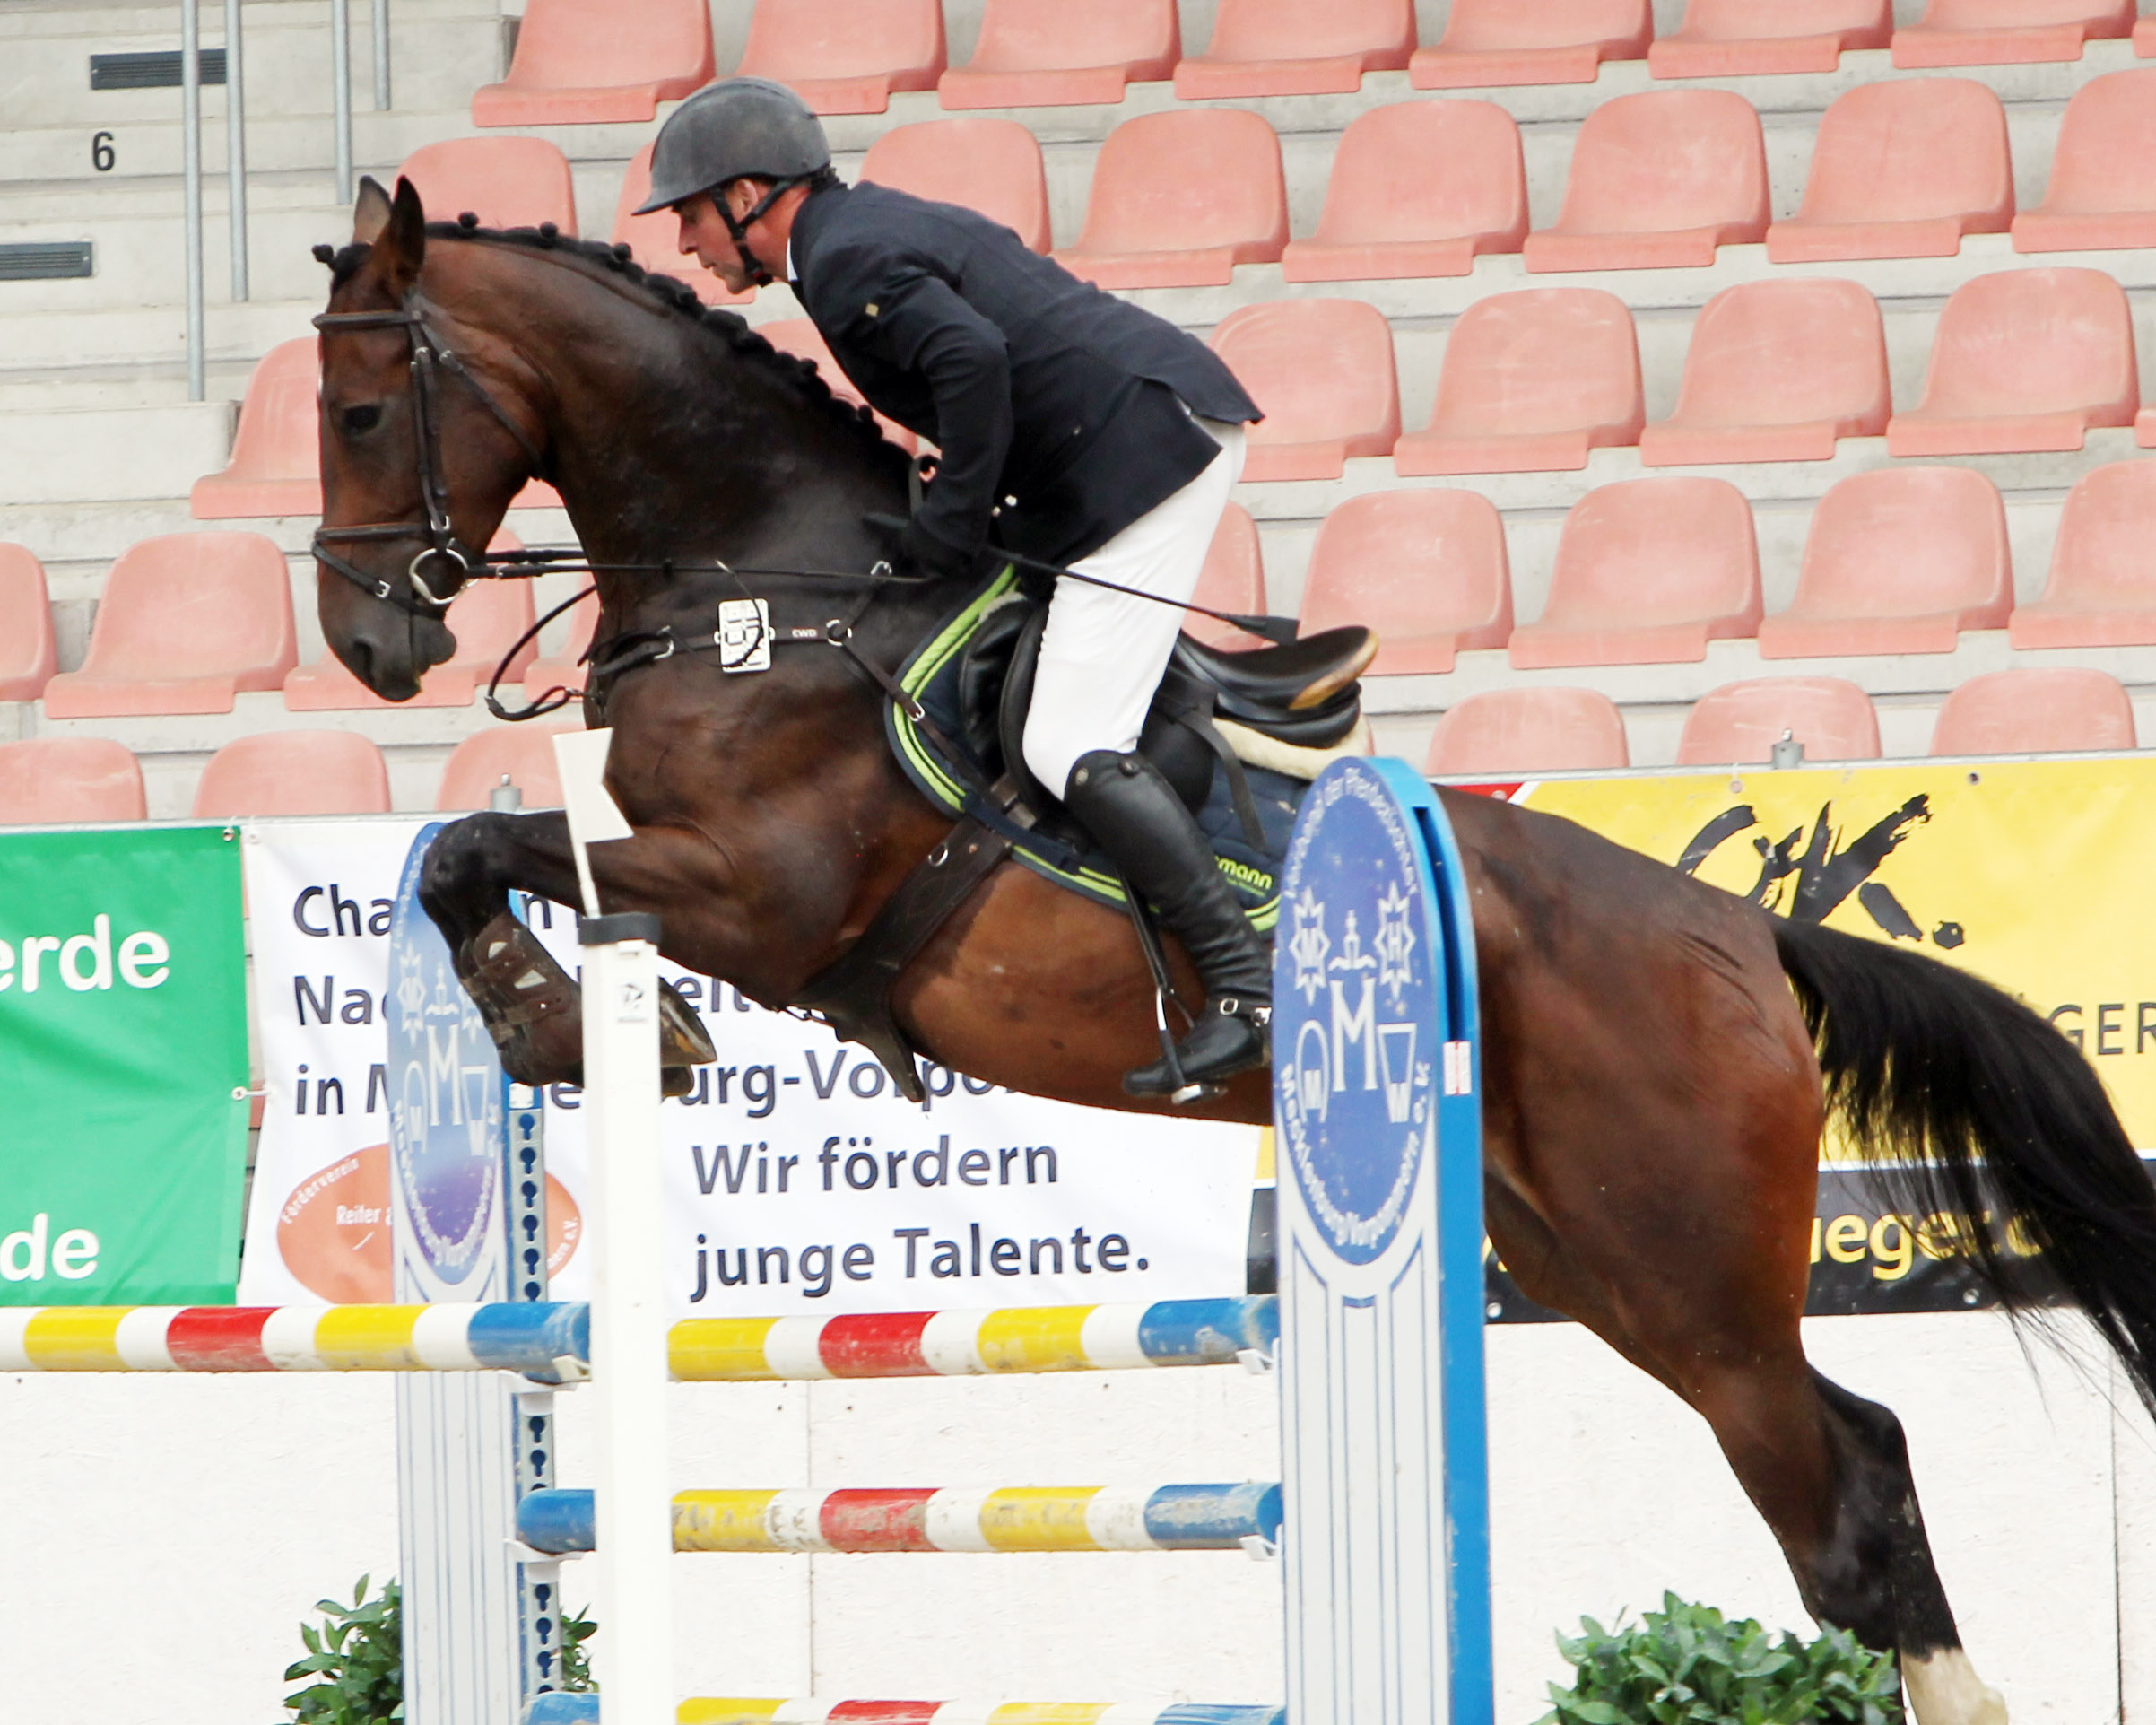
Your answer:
<point x="402" y="246"/>
<point x="370" y="212"/>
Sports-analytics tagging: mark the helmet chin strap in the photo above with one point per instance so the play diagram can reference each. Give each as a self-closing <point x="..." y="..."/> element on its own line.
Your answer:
<point x="739" y="227"/>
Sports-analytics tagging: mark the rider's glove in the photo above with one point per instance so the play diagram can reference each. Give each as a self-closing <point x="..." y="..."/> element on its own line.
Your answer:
<point x="914" y="551"/>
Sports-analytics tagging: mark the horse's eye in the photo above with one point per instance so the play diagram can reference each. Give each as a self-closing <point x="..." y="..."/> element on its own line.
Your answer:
<point x="363" y="419"/>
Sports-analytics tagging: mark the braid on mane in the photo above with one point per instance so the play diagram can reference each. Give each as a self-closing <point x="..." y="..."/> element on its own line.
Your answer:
<point x="671" y="291"/>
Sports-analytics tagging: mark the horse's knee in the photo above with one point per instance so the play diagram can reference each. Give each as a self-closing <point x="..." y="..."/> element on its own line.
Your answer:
<point x="457" y="874"/>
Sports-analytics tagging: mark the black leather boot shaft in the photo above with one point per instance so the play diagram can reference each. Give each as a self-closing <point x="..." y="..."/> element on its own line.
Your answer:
<point x="1138" y="819"/>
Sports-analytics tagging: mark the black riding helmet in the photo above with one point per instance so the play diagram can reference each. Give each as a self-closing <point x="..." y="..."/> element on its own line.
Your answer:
<point x="736" y="127"/>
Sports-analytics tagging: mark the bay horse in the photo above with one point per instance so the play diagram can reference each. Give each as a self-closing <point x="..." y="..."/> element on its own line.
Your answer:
<point x="1660" y="1055"/>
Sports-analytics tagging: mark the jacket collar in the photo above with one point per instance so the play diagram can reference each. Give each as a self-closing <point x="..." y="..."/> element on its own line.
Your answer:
<point x="816" y="210"/>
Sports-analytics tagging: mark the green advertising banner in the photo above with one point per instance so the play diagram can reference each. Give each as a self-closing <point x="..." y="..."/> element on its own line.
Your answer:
<point x="123" y="1066"/>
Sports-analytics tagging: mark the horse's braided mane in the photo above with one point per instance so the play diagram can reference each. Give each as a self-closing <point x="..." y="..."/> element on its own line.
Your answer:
<point x="666" y="291"/>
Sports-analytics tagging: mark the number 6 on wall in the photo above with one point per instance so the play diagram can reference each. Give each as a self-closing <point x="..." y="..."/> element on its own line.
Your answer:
<point x="101" y="151"/>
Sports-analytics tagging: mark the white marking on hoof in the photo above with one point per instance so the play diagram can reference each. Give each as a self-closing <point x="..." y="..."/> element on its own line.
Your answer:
<point x="1945" y="1689"/>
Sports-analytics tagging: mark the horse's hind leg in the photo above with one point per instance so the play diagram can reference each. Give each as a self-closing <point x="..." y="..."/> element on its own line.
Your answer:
<point x="1830" y="1473"/>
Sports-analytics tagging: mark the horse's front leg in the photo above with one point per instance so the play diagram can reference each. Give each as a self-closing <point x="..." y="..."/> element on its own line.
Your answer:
<point x="530" y="1005"/>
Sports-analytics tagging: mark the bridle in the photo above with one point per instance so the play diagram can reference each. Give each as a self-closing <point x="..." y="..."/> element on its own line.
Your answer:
<point x="430" y="356"/>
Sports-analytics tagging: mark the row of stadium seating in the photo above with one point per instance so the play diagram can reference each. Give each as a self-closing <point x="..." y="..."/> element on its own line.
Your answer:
<point x="1657" y="180"/>
<point x="51" y="780"/>
<point x="1548" y="729"/>
<point x="1645" y="571"/>
<point x="1532" y="381"/>
<point x="575" y="65"/>
<point x="1512" y="731"/>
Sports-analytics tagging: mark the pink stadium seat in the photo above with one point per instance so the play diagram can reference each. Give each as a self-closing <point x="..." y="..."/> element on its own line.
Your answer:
<point x="565" y="669"/>
<point x="2035" y="711"/>
<point x="505" y="182"/>
<point x="846" y="57"/>
<point x="1425" y="569"/>
<point x="1737" y="38"/>
<point x="1777" y="371"/>
<point x="1179" y="199"/>
<point x="52" y="781"/>
<point x="1898" y="561"/>
<point x="653" y="240"/>
<point x="990" y="165"/>
<point x="579" y="63"/>
<point x="1528" y="731"/>
<point x="1648" y="572"/>
<point x="2005" y="32"/>
<point x="1658" y="180"/>
<point x="1322" y="370"/>
<point x="526" y="753"/>
<point x="2101" y="590"/>
<point x="486" y="618"/>
<point x="186" y="621"/>
<point x="1418" y="188"/>
<point x="2024" y="358"/>
<point x="798" y="336"/>
<point x="1233" y="580"/>
<point x="1051" y="54"/>
<point x="1901" y="168"/>
<point x="2102" y="194"/>
<point x="1739" y="724"/>
<point x="2144" y="37"/>
<point x="1532" y="381"/>
<point x="26" y="643"/>
<point x="294" y="773"/>
<point x="1289" y="47"/>
<point x="1544" y="41"/>
<point x="276" y="465"/>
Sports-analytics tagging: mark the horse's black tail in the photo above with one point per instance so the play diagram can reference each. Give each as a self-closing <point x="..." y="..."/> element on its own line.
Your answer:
<point x="1988" y="1111"/>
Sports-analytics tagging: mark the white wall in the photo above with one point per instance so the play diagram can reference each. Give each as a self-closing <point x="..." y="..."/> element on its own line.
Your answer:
<point x="163" y="1535"/>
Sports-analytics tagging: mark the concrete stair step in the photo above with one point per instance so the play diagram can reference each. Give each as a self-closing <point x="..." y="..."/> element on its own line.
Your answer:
<point x="435" y="61"/>
<point x="101" y="454"/>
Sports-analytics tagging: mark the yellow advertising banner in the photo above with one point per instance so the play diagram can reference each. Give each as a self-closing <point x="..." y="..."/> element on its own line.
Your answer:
<point x="2028" y="873"/>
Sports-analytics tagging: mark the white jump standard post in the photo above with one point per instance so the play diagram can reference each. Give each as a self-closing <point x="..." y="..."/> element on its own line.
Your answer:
<point x="634" y="1599"/>
<point x="1385" y="1544"/>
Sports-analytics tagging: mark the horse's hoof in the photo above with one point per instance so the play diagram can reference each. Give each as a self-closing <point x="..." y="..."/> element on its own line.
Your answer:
<point x="683" y="1041"/>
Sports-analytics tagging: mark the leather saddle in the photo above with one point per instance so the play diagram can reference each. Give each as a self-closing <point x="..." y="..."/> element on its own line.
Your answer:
<point x="1303" y="694"/>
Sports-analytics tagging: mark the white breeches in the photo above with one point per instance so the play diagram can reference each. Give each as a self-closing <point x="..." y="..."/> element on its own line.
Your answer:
<point x="1102" y="653"/>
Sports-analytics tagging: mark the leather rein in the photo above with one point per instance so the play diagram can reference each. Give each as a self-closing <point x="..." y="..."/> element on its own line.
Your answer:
<point x="421" y="597"/>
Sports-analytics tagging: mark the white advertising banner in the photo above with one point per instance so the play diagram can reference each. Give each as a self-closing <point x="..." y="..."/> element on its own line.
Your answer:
<point x="798" y="1180"/>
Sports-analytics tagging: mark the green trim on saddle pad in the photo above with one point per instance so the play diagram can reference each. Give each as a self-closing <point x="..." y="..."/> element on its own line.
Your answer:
<point x="930" y="672"/>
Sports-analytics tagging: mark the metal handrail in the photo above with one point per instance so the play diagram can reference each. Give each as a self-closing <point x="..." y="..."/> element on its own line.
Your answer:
<point x="190" y="132"/>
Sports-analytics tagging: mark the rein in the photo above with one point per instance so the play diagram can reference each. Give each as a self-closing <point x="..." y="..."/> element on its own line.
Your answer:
<point x="744" y="625"/>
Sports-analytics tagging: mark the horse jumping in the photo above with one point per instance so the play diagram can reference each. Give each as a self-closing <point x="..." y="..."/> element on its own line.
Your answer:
<point x="1659" y="1056"/>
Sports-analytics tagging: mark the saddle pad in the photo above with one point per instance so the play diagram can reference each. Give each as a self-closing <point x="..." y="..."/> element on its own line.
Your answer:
<point x="931" y="676"/>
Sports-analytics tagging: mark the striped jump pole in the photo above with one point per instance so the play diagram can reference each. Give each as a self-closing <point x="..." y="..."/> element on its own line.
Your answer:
<point x="714" y="1710"/>
<point x="550" y="1340"/>
<point x="1243" y="1517"/>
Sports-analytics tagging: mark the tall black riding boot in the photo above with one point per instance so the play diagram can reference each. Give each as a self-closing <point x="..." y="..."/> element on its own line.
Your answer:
<point x="1137" y="818"/>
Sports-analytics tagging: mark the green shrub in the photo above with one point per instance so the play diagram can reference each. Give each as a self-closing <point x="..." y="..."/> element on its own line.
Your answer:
<point x="1685" y="1665"/>
<point x="358" y="1655"/>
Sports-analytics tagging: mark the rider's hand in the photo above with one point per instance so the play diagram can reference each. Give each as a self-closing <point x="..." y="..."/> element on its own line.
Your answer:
<point x="914" y="551"/>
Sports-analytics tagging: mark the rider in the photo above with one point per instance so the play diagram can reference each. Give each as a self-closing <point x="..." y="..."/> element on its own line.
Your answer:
<point x="1073" y="428"/>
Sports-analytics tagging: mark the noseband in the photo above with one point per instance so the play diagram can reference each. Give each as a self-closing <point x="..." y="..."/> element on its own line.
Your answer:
<point x="430" y="356"/>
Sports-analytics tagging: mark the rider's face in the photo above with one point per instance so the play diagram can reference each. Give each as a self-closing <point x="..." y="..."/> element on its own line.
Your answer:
<point x="705" y="238"/>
